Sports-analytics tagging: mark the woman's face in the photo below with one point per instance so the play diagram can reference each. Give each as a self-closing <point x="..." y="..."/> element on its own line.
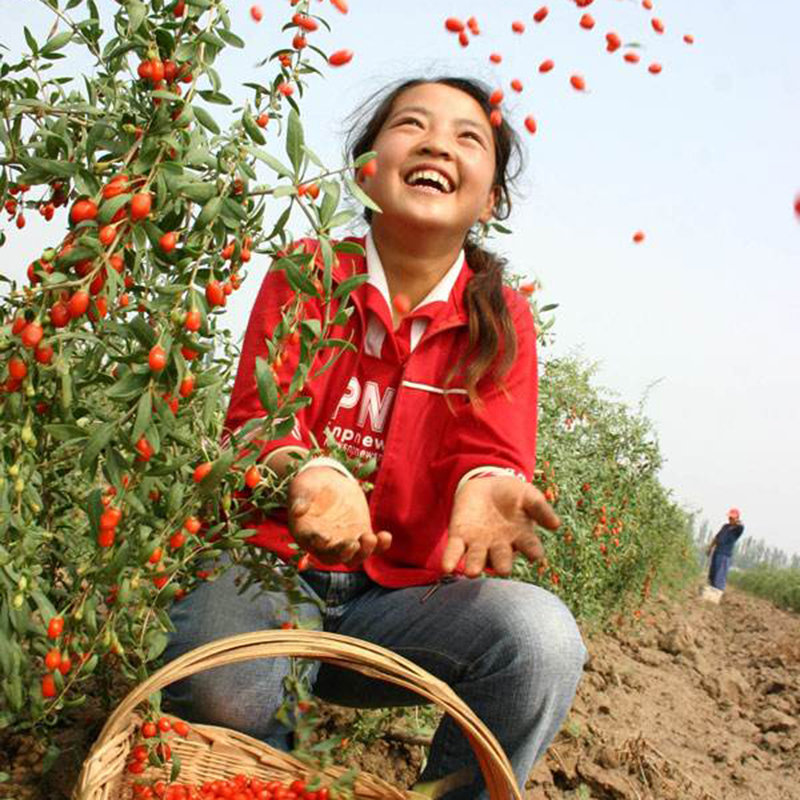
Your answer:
<point x="435" y="163"/>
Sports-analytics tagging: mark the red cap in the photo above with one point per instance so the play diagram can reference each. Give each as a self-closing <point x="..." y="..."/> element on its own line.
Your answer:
<point x="734" y="512"/>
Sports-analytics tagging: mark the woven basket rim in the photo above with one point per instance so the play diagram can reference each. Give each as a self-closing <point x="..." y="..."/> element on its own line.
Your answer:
<point x="344" y="651"/>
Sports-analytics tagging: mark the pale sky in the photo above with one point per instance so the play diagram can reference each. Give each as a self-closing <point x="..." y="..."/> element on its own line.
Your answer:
<point x="704" y="158"/>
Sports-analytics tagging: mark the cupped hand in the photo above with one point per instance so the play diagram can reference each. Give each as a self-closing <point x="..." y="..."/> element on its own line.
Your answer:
<point x="329" y="518"/>
<point x="492" y="519"/>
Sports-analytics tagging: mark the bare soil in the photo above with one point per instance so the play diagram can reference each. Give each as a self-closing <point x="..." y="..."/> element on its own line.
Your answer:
<point x="692" y="702"/>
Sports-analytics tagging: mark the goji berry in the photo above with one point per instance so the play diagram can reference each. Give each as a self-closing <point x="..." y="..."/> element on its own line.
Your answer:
<point x="546" y="65"/>
<point x="340" y="58"/>
<point x="541" y="14"/>
<point x="578" y="83"/>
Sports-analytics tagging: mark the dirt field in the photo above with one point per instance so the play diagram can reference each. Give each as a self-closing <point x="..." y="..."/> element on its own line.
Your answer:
<point x="696" y="702"/>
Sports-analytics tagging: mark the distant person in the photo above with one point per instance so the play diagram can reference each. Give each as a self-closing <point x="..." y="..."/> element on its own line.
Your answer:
<point x="721" y="549"/>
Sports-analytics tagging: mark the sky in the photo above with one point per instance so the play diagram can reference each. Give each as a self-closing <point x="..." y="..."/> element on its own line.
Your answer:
<point x="703" y="316"/>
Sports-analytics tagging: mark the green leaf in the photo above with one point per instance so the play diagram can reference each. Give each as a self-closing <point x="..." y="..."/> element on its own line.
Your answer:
<point x="269" y="160"/>
<point x="136" y="13"/>
<point x="294" y="141"/>
<point x="98" y="439"/>
<point x="354" y="248"/>
<point x="298" y="280"/>
<point x="360" y="195"/>
<point x="199" y="192"/>
<point x="128" y="386"/>
<point x="365" y="158"/>
<point x="65" y="433"/>
<point x="175" y="497"/>
<point x="144" y="413"/>
<point x="31" y="41"/>
<point x="252" y="129"/>
<point x="142" y="331"/>
<point x="156" y="644"/>
<point x="216" y="97"/>
<point x="230" y="38"/>
<point x="56" y="43"/>
<point x="209" y="212"/>
<point x="110" y="207"/>
<point x="267" y="389"/>
<point x="205" y="119"/>
<point x="330" y="202"/>
<point x="349" y="285"/>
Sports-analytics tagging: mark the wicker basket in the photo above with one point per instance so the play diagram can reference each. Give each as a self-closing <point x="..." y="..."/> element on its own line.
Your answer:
<point x="210" y="752"/>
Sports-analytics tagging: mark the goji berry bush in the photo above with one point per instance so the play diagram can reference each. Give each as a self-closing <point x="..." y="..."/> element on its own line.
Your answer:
<point x="116" y="488"/>
<point x="622" y="535"/>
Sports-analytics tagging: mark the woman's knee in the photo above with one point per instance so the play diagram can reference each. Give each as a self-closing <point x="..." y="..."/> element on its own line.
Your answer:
<point x="540" y="632"/>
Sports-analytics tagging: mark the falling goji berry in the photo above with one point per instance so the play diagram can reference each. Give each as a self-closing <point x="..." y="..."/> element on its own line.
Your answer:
<point x="613" y="42"/>
<point x="541" y="14"/>
<point x="546" y="65"/>
<point x="577" y="82"/>
<point x="496" y="97"/>
<point x="340" y="58"/>
<point x="516" y="85"/>
<point x="518" y="27"/>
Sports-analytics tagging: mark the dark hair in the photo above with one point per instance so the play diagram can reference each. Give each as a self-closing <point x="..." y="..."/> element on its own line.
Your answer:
<point x="491" y="329"/>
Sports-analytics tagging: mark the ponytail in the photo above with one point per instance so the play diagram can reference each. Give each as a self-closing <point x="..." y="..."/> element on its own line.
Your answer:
<point x="492" y="345"/>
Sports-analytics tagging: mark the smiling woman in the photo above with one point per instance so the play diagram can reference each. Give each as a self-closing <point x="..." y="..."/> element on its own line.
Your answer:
<point x="440" y="389"/>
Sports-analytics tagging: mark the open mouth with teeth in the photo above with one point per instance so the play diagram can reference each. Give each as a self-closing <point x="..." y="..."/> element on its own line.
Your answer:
<point x="430" y="180"/>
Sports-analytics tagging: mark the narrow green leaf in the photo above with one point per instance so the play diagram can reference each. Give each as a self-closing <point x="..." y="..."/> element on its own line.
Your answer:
<point x="209" y="212"/>
<point x="230" y="38"/>
<point x="267" y="389"/>
<point x="294" y="141"/>
<point x="99" y="438"/>
<point x="136" y="13"/>
<point x="350" y="285"/>
<point x="56" y="43"/>
<point x="360" y="195"/>
<point x="31" y="41"/>
<point x="330" y="201"/>
<point x="252" y="129"/>
<point x="144" y="413"/>
<point x="205" y="119"/>
<point x="269" y="160"/>
<point x="110" y="207"/>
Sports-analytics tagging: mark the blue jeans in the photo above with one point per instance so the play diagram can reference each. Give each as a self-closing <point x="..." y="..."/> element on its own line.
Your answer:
<point x="510" y="650"/>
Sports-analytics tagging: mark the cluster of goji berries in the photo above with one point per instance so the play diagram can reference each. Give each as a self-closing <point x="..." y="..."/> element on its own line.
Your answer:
<point x="153" y="748"/>
<point x="239" y="788"/>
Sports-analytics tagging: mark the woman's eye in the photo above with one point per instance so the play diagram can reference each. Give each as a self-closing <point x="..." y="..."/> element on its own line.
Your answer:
<point x="474" y="136"/>
<point x="410" y="121"/>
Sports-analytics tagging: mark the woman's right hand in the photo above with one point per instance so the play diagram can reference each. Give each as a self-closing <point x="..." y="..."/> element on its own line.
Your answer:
<point x="329" y="518"/>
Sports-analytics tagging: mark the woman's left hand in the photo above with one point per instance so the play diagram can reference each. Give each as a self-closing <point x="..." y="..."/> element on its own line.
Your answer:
<point x="494" y="517"/>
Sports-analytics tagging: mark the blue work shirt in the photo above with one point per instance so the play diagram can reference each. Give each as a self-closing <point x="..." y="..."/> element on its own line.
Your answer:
<point x="727" y="537"/>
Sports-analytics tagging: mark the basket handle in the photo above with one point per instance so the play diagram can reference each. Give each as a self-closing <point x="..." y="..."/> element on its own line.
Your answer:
<point x="344" y="651"/>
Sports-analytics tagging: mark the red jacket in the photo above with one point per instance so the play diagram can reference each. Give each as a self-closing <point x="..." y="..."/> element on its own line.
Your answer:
<point x="428" y="447"/>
